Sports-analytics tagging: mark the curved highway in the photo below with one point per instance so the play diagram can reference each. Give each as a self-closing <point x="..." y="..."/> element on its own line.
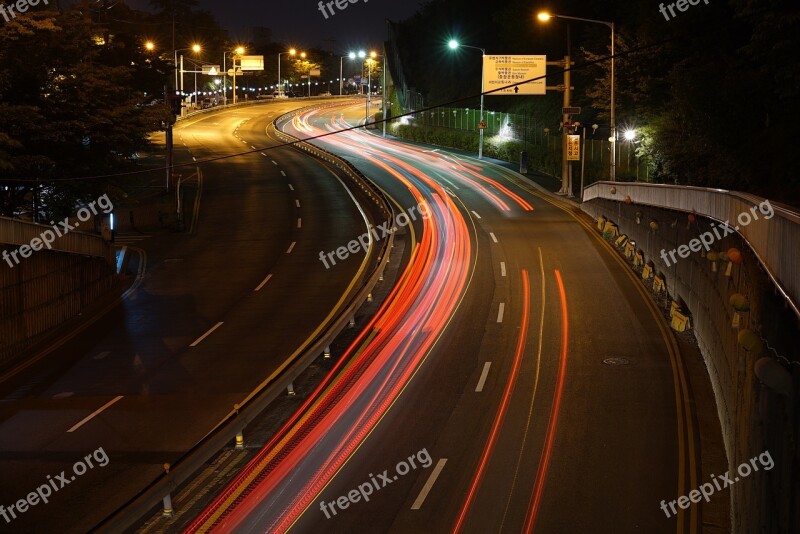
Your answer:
<point x="517" y="370"/>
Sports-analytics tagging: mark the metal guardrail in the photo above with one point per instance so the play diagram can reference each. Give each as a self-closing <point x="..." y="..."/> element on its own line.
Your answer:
<point x="254" y="102"/>
<point x="16" y="232"/>
<point x="775" y="241"/>
<point x="224" y="433"/>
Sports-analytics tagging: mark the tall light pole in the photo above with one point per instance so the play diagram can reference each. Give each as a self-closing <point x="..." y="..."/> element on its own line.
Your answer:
<point x="236" y="55"/>
<point x="194" y="48"/>
<point x="291" y="52"/>
<point x="544" y="17"/>
<point x="453" y="44"/>
<point x="351" y="55"/>
<point x="372" y="56"/>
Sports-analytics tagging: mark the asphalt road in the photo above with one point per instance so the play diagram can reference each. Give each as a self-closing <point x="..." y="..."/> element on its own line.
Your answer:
<point x="524" y="370"/>
<point x="215" y="311"/>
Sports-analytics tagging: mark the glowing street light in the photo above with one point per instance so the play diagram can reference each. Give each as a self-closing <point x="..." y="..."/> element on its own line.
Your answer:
<point x="630" y="135"/>
<point x="545" y="16"/>
<point x="454" y="45"/>
<point x="291" y="52"/>
<point x="150" y="45"/>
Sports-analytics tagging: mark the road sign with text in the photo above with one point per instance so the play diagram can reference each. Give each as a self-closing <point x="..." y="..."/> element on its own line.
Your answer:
<point x="573" y="148"/>
<point x="252" y="63"/>
<point x="502" y="71"/>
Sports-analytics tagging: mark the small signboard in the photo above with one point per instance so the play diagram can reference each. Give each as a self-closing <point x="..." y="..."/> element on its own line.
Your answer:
<point x="252" y="63"/>
<point x="211" y="70"/>
<point x="575" y="110"/>
<point x="482" y="125"/>
<point x="502" y="71"/>
<point x="315" y="72"/>
<point x="573" y="148"/>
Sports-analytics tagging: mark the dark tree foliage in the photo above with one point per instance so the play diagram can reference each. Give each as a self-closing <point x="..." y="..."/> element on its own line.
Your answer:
<point x="73" y="102"/>
<point x="713" y="91"/>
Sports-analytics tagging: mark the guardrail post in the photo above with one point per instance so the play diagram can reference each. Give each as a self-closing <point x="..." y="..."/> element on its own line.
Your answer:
<point x="167" y="512"/>
<point x="327" y="353"/>
<point x="352" y="321"/>
<point x="290" y="389"/>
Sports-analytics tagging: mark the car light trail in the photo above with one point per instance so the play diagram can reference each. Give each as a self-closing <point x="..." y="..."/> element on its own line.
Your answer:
<point x="541" y="474"/>
<point x="501" y="412"/>
<point x="368" y="379"/>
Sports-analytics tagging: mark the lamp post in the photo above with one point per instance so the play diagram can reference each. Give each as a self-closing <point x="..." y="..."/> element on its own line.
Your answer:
<point x="351" y="55"/>
<point x="372" y="56"/>
<point x="236" y="55"/>
<point x="544" y="17"/>
<point x="194" y="48"/>
<point x="453" y="44"/>
<point x="291" y="52"/>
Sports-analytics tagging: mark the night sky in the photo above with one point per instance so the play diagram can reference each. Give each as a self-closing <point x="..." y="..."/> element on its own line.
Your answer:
<point x="300" y="23"/>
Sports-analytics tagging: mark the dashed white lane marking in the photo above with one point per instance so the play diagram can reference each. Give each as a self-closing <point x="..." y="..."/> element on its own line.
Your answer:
<point x="210" y="331"/>
<point x="262" y="284"/>
<point x="274" y="162"/>
<point x="291" y="188"/>
<point x="484" y="374"/>
<point x="502" y="268"/>
<point x="93" y="414"/>
<point x="297" y="203"/>
<point x="291" y="247"/>
<point x="429" y="484"/>
<point x="283" y="173"/>
<point x="500" y="312"/>
<point x="263" y="154"/>
<point x="299" y="223"/>
<point x="254" y="148"/>
<point x="491" y="234"/>
<point x="475" y="213"/>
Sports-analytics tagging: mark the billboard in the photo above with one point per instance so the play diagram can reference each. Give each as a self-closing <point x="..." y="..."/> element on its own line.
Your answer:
<point x="252" y="63"/>
<point x="500" y="71"/>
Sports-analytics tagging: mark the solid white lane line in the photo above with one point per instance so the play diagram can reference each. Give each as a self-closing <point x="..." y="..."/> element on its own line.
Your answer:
<point x="491" y="234"/>
<point x="484" y="374"/>
<point x="502" y="268"/>
<point x="299" y="222"/>
<point x="291" y="247"/>
<point x="429" y="484"/>
<point x="283" y="173"/>
<point x="201" y="338"/>
<point x="297" y="203"/>
<point x="262" y="284"/>
<point x="500" y="312"/>
<point x="291" y="188"/>
<point x="93" y="414"/>
<point x="475" y="213"/>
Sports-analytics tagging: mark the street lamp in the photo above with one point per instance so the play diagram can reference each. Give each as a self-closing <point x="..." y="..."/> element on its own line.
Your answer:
<point x="545" y="16"/>
<point x="351" y="55"/>
<point x="291" y="52"/>
<point x="236" y="54"/>
<point x="454" y="45"/>
<point x="194" y="48"/>
<point x="150" y="45"/>
<point x="372" y="57"/>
